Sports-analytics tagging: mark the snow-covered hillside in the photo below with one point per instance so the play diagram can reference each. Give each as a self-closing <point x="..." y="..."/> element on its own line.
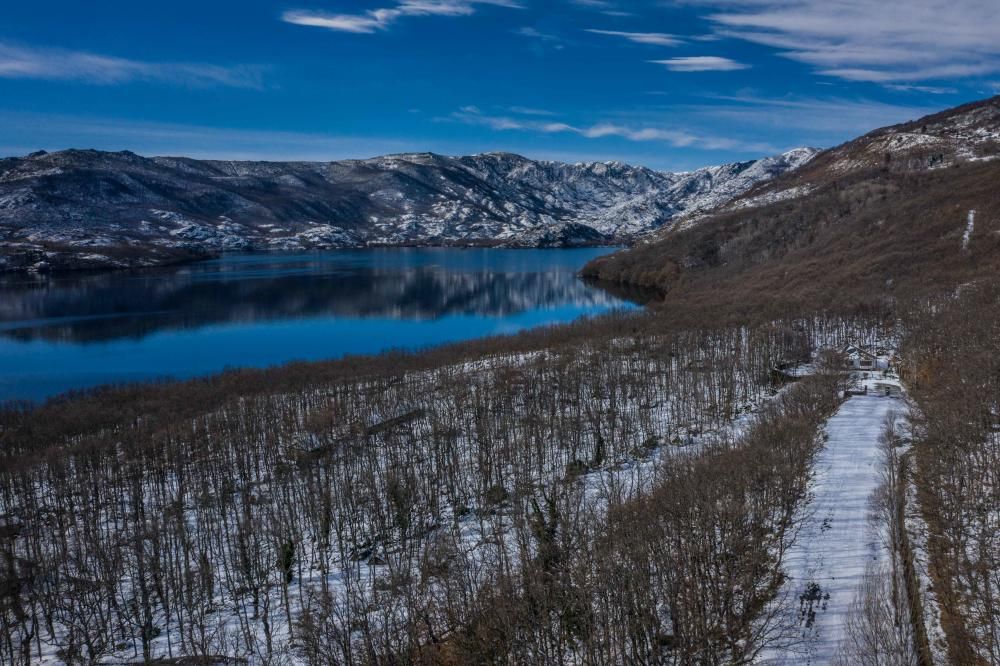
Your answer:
<point x="88" y="208"/>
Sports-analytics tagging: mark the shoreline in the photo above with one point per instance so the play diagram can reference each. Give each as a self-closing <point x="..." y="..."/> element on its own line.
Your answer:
<point x="70" y="264"/>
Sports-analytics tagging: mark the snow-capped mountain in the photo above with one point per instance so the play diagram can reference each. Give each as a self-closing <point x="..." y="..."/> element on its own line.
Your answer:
<point x="84" y="208"/>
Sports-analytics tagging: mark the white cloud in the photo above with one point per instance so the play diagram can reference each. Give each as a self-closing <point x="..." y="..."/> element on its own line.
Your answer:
<point x="826" y="119"/>
<point x="679" y="138"/>
<point x="18" y="62"/>
<point x="380" y="19"/>
<point x="343" y="22"/>
<point x="701" y="64"/>
<point x="875" y="41"/>
<point x="655" y="38"/>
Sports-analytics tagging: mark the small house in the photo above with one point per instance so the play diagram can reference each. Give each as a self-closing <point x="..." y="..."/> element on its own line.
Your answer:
<point x="858" y="358"/>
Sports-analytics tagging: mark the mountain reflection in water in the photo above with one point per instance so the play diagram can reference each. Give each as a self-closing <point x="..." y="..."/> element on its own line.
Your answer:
<point x="72" y="331"/>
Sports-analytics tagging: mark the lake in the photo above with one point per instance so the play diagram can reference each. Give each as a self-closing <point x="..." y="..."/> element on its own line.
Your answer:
<point x="76" y="331"/>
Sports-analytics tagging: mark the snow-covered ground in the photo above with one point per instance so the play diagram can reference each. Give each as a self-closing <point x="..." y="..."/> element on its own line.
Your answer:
<point x="836" y="539"/>
<point x="665" y="427"/>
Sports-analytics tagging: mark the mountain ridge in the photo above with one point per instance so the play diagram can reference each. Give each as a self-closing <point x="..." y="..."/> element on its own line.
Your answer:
<point x="93" y="209"/>
<point x="885" y="214"/>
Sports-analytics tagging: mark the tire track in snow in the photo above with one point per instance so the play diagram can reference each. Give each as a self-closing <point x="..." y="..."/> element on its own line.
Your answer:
<point x="836" y="540"/>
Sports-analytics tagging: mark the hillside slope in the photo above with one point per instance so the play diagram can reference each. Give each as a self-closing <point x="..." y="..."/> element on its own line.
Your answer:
<point x="88" y="209"/>
<point x="899" y="210"/>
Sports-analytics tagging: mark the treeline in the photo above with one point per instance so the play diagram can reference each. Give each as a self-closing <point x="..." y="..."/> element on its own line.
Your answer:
<point x="584" y="500"/>
<point x="953" y="372"/>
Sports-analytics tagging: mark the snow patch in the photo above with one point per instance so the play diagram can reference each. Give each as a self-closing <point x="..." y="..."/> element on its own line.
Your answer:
<point x="774" y="197"/>
<point x="970" y="226"/>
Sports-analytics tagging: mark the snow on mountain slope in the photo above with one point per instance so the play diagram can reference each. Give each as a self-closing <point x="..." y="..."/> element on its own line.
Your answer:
<point x="966" y="136"/>
<point x="125" y="209"/>
<point x="967" y="133"/>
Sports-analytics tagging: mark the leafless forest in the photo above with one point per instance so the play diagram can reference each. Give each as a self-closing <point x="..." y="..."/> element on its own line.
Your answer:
<point x="955" y="380"/>
<point x="619" y="490"/>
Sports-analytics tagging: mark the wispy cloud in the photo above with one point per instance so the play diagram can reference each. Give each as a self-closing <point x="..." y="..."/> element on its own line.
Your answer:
<point x="678" y="138"/>
<point x="929" y="90"/>
<point x="18" y="62"/>
<point x="880" y="42"/>
<point x="380" y="19"/>
<point x="542" y="40"/>
<point x="603" y="6"/>
<point x="530" y="111"/>
<point x="701" y="64"/>
<point x="23" y="132"/>
<point x="825" y="118"/>
<point x="655" y="38"/>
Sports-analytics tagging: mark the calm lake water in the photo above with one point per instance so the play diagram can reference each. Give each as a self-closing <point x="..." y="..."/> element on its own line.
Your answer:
<point x="77" y="331"/>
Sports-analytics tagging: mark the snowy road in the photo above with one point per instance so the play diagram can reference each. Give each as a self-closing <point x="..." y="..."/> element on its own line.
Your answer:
<point x="836" y="541"/>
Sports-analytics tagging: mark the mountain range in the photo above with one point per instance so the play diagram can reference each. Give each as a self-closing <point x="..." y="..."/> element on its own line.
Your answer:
<point x="903" y="210"/>
<point x="92" y="209"/>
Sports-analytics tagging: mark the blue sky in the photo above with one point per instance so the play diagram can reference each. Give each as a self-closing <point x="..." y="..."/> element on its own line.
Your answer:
<point x="669" y="84"/>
